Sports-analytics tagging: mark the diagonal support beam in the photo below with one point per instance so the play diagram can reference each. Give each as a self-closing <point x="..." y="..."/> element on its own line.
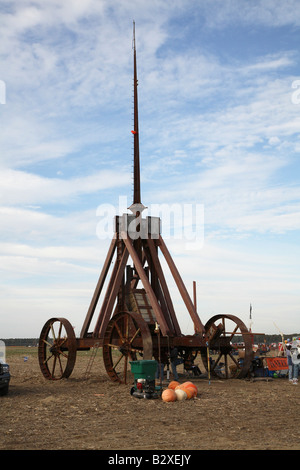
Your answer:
<point x="199" y="327"/>
<point x="99" y="288"/>
<point x="162" y="281"/>
<point x="155" y="284"/>
<point x="111" y="295"/>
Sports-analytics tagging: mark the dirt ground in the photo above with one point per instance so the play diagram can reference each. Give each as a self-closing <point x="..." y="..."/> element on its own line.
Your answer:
<point x="95" y="413"/>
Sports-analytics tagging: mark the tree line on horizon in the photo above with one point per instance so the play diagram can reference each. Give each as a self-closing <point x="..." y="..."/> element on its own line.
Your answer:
<point x="257" y="339"/>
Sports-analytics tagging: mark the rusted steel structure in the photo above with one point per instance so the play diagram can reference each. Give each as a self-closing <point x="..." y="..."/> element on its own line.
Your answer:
<point x="137" y="318"/>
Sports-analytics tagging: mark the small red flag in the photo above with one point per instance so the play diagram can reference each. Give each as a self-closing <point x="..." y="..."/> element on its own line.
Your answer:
<point x="134" y="132"/>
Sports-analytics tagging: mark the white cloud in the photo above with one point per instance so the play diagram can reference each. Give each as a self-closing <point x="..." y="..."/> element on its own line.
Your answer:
<point x="19" y="187"/>
<point x="271" y="13"/>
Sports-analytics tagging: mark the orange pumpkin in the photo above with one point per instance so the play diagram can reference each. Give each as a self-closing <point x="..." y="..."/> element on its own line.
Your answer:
<point x="189" y="392"/>
<point x="168" y="395"/>
<point x="191" y="385"/>
<point x="173" y="384"/>
<point x="187" y="383"/>
<point x="180" y="386"/>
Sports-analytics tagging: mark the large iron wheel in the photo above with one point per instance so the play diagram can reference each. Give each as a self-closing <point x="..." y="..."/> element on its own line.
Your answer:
<point x="224" y="363"/>
<point x="126" y="337"/>
<point x="57" y="349"/>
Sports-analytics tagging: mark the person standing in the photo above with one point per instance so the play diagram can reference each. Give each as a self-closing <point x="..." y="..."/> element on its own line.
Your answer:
<point x="295" y="357"/>
<point x="289" y="361"/>
<point x="292" y="354"/>
<point x="175" y="361"/>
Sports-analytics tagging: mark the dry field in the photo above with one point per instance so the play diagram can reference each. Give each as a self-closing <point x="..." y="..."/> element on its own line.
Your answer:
<point x="95" y="413"/>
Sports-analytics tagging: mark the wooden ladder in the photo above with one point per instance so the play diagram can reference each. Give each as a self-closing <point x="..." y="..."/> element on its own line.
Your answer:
<point x="91" y="360"/>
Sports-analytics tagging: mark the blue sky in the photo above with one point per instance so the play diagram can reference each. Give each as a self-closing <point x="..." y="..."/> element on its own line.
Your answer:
<point x="219" y="112"/>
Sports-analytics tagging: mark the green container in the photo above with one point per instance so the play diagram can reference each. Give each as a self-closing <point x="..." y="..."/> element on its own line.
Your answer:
<point x="144" y="369"/>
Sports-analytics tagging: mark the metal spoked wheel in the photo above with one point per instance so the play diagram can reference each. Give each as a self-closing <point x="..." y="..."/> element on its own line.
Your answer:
<point x="224" y="363"/>
<point x="57" y="349"/>
<point x="126" y="336"/>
